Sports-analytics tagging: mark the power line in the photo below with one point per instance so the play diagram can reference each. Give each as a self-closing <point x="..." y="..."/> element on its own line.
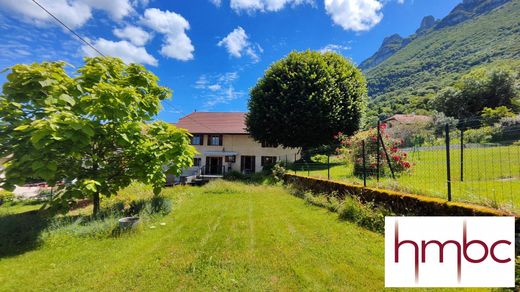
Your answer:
<point x="68" y="28"/>
<point x="94" y="48"/>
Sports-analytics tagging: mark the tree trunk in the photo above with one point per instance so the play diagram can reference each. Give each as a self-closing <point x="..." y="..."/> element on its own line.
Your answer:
<point x="95" y="201"/>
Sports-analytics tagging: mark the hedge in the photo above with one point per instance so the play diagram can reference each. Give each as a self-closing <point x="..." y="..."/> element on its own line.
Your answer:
<point x="396" y="202"/>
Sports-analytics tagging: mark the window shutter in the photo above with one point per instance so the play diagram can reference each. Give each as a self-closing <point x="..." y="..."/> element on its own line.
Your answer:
<point x="220" y="140"/>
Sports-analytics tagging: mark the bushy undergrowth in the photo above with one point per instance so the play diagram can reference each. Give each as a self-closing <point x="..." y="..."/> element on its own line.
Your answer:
<point x="259" y="178"/>
<point x="6" y="196"/>
<point x="367" y="215"/>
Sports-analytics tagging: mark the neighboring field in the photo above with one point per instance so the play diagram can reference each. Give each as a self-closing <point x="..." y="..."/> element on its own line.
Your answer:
<point x="491" y="175"/>
<point x="221" y="236"/>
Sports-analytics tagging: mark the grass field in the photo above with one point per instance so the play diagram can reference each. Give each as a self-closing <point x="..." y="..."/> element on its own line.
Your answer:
<point x="222" y="236"/>
<point x="491" y="175"/>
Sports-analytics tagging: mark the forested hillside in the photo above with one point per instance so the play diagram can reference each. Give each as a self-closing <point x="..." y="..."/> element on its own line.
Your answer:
<point x="476" y="33"/>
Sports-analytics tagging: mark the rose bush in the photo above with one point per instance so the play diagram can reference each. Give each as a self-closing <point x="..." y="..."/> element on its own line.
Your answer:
<point x="351" y="149"/>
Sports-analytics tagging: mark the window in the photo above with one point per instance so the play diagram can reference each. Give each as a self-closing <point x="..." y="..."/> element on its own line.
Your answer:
<point x="196" y="161"/>
<point x="196" y="140"/>
<point x="268" y="160"/>
<point x="247" y="164"/>
<point x="268" y="145"/>
<point x="215" y="140"/>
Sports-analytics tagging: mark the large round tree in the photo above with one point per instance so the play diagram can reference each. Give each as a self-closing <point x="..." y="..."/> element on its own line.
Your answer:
<point x="306" y="98"/>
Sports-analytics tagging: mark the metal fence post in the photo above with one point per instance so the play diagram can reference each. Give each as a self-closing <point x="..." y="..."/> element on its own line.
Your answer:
<point x="294" y="163"/>
<point x="448" y="173"/>
<point x="377" y="138"/>
<point x="328" y="166"/>
<point x="462" y="154"/>
<point x="364" y="164"/>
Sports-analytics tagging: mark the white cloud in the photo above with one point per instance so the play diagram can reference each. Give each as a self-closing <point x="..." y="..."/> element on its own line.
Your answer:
<point x="264" y="5"/>
<point x="128" y="52"/>
<point x="237" y="43"/>
<point x="134" y="34"/>
<point x="142" y="3"/>
<point x="356" y="15"/>
<point x="334" y="48"/>
<point x="117" y="9"/>
<point x="216" y="2"/>
<point x="215" y="87"/>
<point x="218" y="89"/>
<point x="177" y="44"/>
<point x="73" y="13"/>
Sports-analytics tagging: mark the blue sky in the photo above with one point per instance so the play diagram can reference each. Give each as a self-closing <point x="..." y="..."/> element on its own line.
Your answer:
<point x="210" y="52"/>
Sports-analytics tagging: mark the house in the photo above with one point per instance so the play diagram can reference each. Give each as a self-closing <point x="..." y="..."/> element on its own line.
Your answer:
<point x="224" y="145"/>
<point x="408" y="127"/>
<point x="400" y="119"/>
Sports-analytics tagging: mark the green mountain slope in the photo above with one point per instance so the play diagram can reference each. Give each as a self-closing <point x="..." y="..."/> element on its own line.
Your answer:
<point x="407" y="79"/>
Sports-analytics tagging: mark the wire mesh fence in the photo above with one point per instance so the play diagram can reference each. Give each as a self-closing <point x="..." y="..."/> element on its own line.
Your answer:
<point x="469" y="161"/>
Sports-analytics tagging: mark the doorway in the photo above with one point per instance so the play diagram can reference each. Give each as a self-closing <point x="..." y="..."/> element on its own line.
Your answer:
<point x="214" y="165"/>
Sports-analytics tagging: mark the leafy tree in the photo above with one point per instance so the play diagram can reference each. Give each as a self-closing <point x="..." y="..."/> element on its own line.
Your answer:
<point x="490" y="116"/>
<point x="306" y="98"/>
<point x="478" y="89"/>
<point x="89" y="134"/>
<point x="439" y="123"/>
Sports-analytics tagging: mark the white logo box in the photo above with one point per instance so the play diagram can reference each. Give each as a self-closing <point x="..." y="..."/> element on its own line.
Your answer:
<point x="423" y="236"/>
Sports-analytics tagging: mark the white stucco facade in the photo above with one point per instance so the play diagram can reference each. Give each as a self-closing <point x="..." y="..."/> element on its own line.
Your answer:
<point x="244" y="150"/>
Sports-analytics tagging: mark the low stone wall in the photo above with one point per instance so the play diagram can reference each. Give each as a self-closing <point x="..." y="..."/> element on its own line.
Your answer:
<point x="397" y="202"/>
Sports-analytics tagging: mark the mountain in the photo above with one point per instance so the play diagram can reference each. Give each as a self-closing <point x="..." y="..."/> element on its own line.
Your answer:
<point x="469" y="9"/>
<point x="427" y="23"/>
<point x="390" y="46"/>
<point x="405" y="72"/>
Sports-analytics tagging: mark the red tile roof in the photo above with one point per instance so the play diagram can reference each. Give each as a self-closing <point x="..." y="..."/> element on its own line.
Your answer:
<point x="409" y="118"/>
<point x="214" y="123"/>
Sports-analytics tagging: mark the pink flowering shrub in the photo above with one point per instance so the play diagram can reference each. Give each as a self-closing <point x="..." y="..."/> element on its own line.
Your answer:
<point x="351" y="149"/>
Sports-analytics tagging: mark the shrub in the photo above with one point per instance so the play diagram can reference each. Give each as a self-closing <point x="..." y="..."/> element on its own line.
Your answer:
<point x="6" y="196"/>
<point x="439" y="123"/>
<point x="234" y="176"/>
<point x="278" y="172"/>
<point x="352" y="148"/>
<point x="136" y="207"/>
<point x="490" y="116"/>
<point x="480" y="135"/>
<point x="319" y="158"/>
<point x="366" y="215"/>
<point x="159" y="205"/>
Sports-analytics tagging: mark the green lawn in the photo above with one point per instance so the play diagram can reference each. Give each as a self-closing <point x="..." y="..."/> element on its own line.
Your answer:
<point x="491" y="175"/>
<point x="219" y="237"/>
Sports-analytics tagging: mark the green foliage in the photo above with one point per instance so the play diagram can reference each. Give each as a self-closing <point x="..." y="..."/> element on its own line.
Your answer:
<point x="305" y="98"/>
<point x="6" y="196"/>
<point x="319" y="158"/>
<point x="437" y="59"/>
<point x="440" y="120"/>
<point x="92" y="131"/>
<point x="278" y="172"/>
<point x="480" y="135"/>
<point x="366" y="215"/>
<point x="491" y="116"/>
<point x="234" y="176"/>
<point x="352" y="149"/>
<point x="478" y="90"/>
<point x="245" y="241"/>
